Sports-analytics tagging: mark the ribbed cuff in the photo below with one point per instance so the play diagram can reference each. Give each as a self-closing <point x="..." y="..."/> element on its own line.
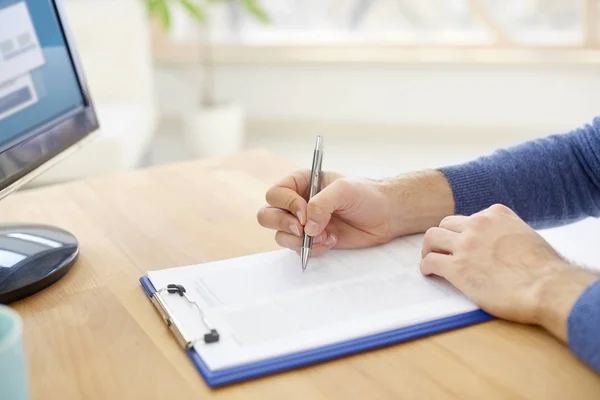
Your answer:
<point x="471" y="187"/>
<point x="583" y="327"/>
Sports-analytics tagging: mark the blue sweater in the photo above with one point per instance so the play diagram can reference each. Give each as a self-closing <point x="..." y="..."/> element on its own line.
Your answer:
<point x="548" y="182"/>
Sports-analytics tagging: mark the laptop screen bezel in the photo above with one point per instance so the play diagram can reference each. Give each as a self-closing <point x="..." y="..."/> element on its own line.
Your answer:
<point x="47" y="144"/>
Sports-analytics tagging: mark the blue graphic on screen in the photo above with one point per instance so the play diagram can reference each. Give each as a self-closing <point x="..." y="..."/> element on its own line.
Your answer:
<point x="37" y="80"/>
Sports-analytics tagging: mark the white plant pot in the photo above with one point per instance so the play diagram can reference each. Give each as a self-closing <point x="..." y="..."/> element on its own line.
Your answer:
<point x="216" y="131"/>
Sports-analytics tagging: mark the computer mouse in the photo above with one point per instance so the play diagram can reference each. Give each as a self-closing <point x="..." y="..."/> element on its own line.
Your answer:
<point x="32" y="258"/>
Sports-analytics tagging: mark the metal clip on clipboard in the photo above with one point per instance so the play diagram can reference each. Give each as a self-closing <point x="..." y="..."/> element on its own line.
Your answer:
<point x="211" y="336"/>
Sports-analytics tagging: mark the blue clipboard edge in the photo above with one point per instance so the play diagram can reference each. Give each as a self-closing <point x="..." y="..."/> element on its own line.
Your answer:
<point x="325" y="353"/>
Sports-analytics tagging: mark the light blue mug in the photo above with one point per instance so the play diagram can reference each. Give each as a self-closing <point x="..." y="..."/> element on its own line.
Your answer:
<point x="13" y="368"/>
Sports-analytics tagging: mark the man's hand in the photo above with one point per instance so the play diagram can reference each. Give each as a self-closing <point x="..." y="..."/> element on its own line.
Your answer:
<point x="350" y="213"/>
<point x="505" y="267"/>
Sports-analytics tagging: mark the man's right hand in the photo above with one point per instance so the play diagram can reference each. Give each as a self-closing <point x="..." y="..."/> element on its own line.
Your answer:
<point x="350" y="213"/>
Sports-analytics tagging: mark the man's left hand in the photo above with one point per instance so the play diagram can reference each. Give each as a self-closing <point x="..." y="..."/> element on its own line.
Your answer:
<point x="504" y="266"/>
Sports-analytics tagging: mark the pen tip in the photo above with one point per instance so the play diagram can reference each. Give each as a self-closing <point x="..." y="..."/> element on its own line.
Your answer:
<point x="304" y="260"/>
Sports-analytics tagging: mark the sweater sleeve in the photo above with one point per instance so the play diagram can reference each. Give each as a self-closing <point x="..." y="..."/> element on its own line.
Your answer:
<point x="548" y="182"/>
<point x="583" y="327"/>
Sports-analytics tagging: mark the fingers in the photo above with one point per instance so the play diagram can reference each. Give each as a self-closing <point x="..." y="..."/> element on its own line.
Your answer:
<point x="334" y="197"/>
<point x="288" y="194"/>
<point x="455" y="223"/>
<point x="435" y="264"/>
<point x="498" y="209"/>
<point x="298" y="181"/>
<point x="441" y="265"/>
<point x="289" y="200"/>
<point x="318" y="250"/>
<point x="279" y="220"/>
<point x="438" y="240"/>
<point x="321" y="243"/>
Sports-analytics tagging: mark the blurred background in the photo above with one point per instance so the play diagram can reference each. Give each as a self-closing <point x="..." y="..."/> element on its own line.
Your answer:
<point x="393" y="85"/>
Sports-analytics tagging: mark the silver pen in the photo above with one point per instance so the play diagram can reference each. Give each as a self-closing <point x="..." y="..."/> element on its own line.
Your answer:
<point x="315" y="187"/>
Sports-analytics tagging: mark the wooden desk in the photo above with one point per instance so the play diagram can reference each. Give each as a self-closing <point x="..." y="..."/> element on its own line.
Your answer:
<point x="95" y="335"/>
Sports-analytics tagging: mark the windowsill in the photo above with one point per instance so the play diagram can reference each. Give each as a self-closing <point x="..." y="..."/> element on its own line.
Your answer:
<point x="169" y="53"/>
<point x="487" y="43"/>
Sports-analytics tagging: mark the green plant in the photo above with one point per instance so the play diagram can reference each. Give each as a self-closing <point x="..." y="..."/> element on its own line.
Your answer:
<point x="196" y="9"/>
<point x="162" y="9"/>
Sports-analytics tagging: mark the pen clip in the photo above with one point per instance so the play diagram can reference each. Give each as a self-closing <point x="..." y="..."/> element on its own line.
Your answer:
<point x="316" y="172"/>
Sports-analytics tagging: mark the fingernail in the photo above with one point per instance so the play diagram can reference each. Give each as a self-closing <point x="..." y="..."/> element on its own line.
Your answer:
<point x="311" y="228"/>
<point x="319" y="239"/>
<point x="300" y="216"/>
<point x="294" y="229"/>
<point x="330" y="241"/>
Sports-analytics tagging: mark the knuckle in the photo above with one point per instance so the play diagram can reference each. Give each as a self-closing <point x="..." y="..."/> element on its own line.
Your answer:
<point x="500" y="209"/>
<point x="481" y="221"/>
<point x="279" y="238"/>
<point x="343" y="184"/>
<point x="301" y="179"/>
<point x="468" y="241"/>
<point x="426" y="260"/>
<point x="300" y="173"/>
<point x="283" y="225"/>
<point x="429" y="265"/>
<point x="427" y="243"/>
<point x="343" y="189"/>
<point x="286" y="240"/>
<point x="430" y="235"/>
<point x="329" y="178"/>
<point x="315" y="210"/>
<point x="445" y="221"/>
<point x="425" y="266"/>
<point x="291" y="203"/>
<point x="427" y="237"/>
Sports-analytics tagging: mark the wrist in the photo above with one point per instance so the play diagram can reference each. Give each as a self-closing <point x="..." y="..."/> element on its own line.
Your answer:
<point x="418" y="201"/>
<point x="556" y="294"/>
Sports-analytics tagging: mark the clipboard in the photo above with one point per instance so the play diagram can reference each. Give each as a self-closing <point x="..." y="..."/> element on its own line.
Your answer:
<point x="296" y="360"/>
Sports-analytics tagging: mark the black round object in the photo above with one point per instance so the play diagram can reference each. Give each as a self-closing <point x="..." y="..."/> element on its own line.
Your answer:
<point x="33" y="257"/>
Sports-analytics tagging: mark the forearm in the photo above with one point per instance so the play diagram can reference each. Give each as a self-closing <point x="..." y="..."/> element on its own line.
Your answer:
<point x="556" y="295"/>
<point x="425" y="198"/>
<point x="566" y="302"/>
<point x="548" y="182"/>
<point x="569" y="308"/>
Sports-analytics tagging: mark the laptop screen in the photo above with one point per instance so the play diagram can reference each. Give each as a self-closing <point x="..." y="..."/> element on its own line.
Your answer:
<point x="38" y="82"/>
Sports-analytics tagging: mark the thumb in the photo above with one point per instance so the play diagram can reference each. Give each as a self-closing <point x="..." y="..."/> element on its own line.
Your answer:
<point x="337" y="196"/>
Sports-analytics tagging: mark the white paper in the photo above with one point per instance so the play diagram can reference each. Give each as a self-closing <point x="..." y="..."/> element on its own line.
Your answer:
<point x="577" y="242"/>
<point x="265" y="306"/>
